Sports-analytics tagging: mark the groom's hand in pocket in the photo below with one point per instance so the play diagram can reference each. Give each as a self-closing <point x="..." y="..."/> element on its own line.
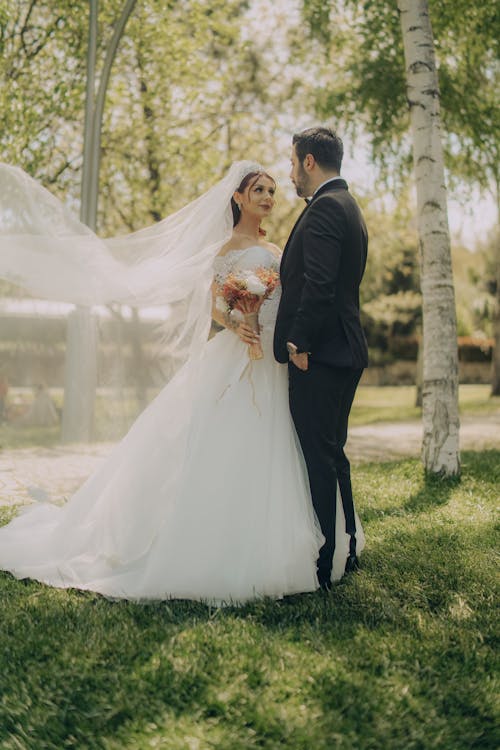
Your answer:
<point x="299" y="359"/>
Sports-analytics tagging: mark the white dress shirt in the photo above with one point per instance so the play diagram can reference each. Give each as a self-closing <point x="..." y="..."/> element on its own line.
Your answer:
<point x="330" y="179"/>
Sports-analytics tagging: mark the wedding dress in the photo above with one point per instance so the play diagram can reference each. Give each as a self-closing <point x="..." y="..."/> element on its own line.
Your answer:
<point x="211" y="502"/>
<point x="207" y="496"/>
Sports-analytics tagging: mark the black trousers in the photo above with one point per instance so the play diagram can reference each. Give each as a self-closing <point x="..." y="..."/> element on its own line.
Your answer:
<point x="320" y="402"/>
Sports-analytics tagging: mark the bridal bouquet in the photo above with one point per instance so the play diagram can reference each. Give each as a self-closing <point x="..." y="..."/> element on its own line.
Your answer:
<point x="241" y="295"/>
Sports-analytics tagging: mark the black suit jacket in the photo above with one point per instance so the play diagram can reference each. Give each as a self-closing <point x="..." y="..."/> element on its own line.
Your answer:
<point x="321" y="269"/>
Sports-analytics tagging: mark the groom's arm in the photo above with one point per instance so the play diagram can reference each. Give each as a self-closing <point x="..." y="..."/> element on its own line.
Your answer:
<point x="324" y="233"/>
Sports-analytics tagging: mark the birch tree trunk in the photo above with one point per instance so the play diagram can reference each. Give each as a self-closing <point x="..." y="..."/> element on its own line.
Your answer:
<point x="440" y="449"/>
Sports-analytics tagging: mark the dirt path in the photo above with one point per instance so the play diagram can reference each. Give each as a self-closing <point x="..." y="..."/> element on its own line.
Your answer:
<point x="26" y="474"/>
<point x="387" y="440"/>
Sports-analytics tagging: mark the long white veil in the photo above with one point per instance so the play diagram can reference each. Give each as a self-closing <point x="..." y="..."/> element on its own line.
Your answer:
<point x="51" y="255"/>
<point x="48" y="252"/>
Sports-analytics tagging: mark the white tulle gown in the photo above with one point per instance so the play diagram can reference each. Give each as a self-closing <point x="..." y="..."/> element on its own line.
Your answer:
<point x="206" y="498"/>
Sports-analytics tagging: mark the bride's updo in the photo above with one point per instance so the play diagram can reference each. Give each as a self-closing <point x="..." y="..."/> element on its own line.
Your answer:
<point x="249" y="181"/>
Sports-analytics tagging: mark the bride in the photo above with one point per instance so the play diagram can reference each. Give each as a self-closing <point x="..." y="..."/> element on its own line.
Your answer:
<point x="207" y="496"/>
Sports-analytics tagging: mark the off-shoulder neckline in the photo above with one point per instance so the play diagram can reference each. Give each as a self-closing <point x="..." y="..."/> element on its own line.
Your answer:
<point x="246" y="249"/>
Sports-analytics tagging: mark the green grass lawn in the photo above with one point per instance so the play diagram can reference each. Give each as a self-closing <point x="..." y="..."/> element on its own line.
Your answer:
<point x="372" y="404"/>
<point x="397" y="403"/>
<point x="399" y="656"/>
<point x="112" y="419"/>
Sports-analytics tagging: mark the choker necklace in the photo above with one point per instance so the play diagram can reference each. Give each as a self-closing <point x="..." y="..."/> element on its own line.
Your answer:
<point x="248" y="236"/>
<point x="260" y="233"/>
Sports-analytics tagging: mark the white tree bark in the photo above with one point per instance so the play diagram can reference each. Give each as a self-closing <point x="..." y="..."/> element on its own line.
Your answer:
<point x="440" y="449"/>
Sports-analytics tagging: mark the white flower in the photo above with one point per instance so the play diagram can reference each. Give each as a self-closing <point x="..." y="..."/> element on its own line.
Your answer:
<point x="220" y="304"/>
<point x="237" y="315"/>
<point x="255" y="285"/>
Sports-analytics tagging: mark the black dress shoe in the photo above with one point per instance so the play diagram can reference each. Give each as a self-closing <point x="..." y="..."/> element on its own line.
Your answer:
<point x="324" y="579"/>
<point x="352" y="564"/>
<point x="325" y="585"/>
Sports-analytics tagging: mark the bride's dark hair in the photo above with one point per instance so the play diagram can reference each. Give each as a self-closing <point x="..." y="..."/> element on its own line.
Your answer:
<point x="249" y="180"/>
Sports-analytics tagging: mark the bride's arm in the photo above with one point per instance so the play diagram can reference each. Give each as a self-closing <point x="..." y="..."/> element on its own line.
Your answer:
<point x="246" y="334"/>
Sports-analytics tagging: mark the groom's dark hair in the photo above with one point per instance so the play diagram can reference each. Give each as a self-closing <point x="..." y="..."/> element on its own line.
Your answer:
<point x="324" y="144"/>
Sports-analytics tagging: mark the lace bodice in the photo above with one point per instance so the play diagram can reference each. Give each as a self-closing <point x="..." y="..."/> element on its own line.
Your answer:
<point x="247" y="260"/>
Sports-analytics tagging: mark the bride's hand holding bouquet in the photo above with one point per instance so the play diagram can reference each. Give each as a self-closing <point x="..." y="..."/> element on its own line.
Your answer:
<point x="241" y="295"/>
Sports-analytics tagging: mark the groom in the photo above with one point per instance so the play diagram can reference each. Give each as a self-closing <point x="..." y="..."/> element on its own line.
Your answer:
<point x="318" y="329"/>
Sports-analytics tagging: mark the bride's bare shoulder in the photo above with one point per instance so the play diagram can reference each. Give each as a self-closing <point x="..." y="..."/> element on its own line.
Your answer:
<point x="242" y="243"/>
<point x="234" y="243"/>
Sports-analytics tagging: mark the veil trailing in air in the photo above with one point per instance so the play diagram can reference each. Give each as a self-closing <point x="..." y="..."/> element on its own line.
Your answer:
<point x="48" y="252"/>
<point x="148" y="295"/>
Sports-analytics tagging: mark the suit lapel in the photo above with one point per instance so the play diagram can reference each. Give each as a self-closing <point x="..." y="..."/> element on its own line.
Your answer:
<point x="292" y="233"/>
<point x="326" y="188"/>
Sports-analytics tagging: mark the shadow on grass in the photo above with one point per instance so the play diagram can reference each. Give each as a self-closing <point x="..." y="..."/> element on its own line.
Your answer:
<point x="482" y="465"/>
<point x="430" y="492"/>
<point x="435" y="492"/>
<point x="79" y="669"/>
<point x="409" y="491"/>
<point x="413" y="570"/>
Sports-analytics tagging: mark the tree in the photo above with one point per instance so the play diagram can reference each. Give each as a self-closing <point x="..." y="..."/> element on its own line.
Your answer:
<point x="390" y="294"/>
<point x="81" y="363"/>
<point x="363" y="41"/>
<point x="495" y="385"/>
<point x="369" y="89"/>
<point x="194" y="86"/>
<point x="440" y="355"/>
<point x="364" y="44"/>
<point x="42" y="100"/>
<point x="491" y="286"/>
